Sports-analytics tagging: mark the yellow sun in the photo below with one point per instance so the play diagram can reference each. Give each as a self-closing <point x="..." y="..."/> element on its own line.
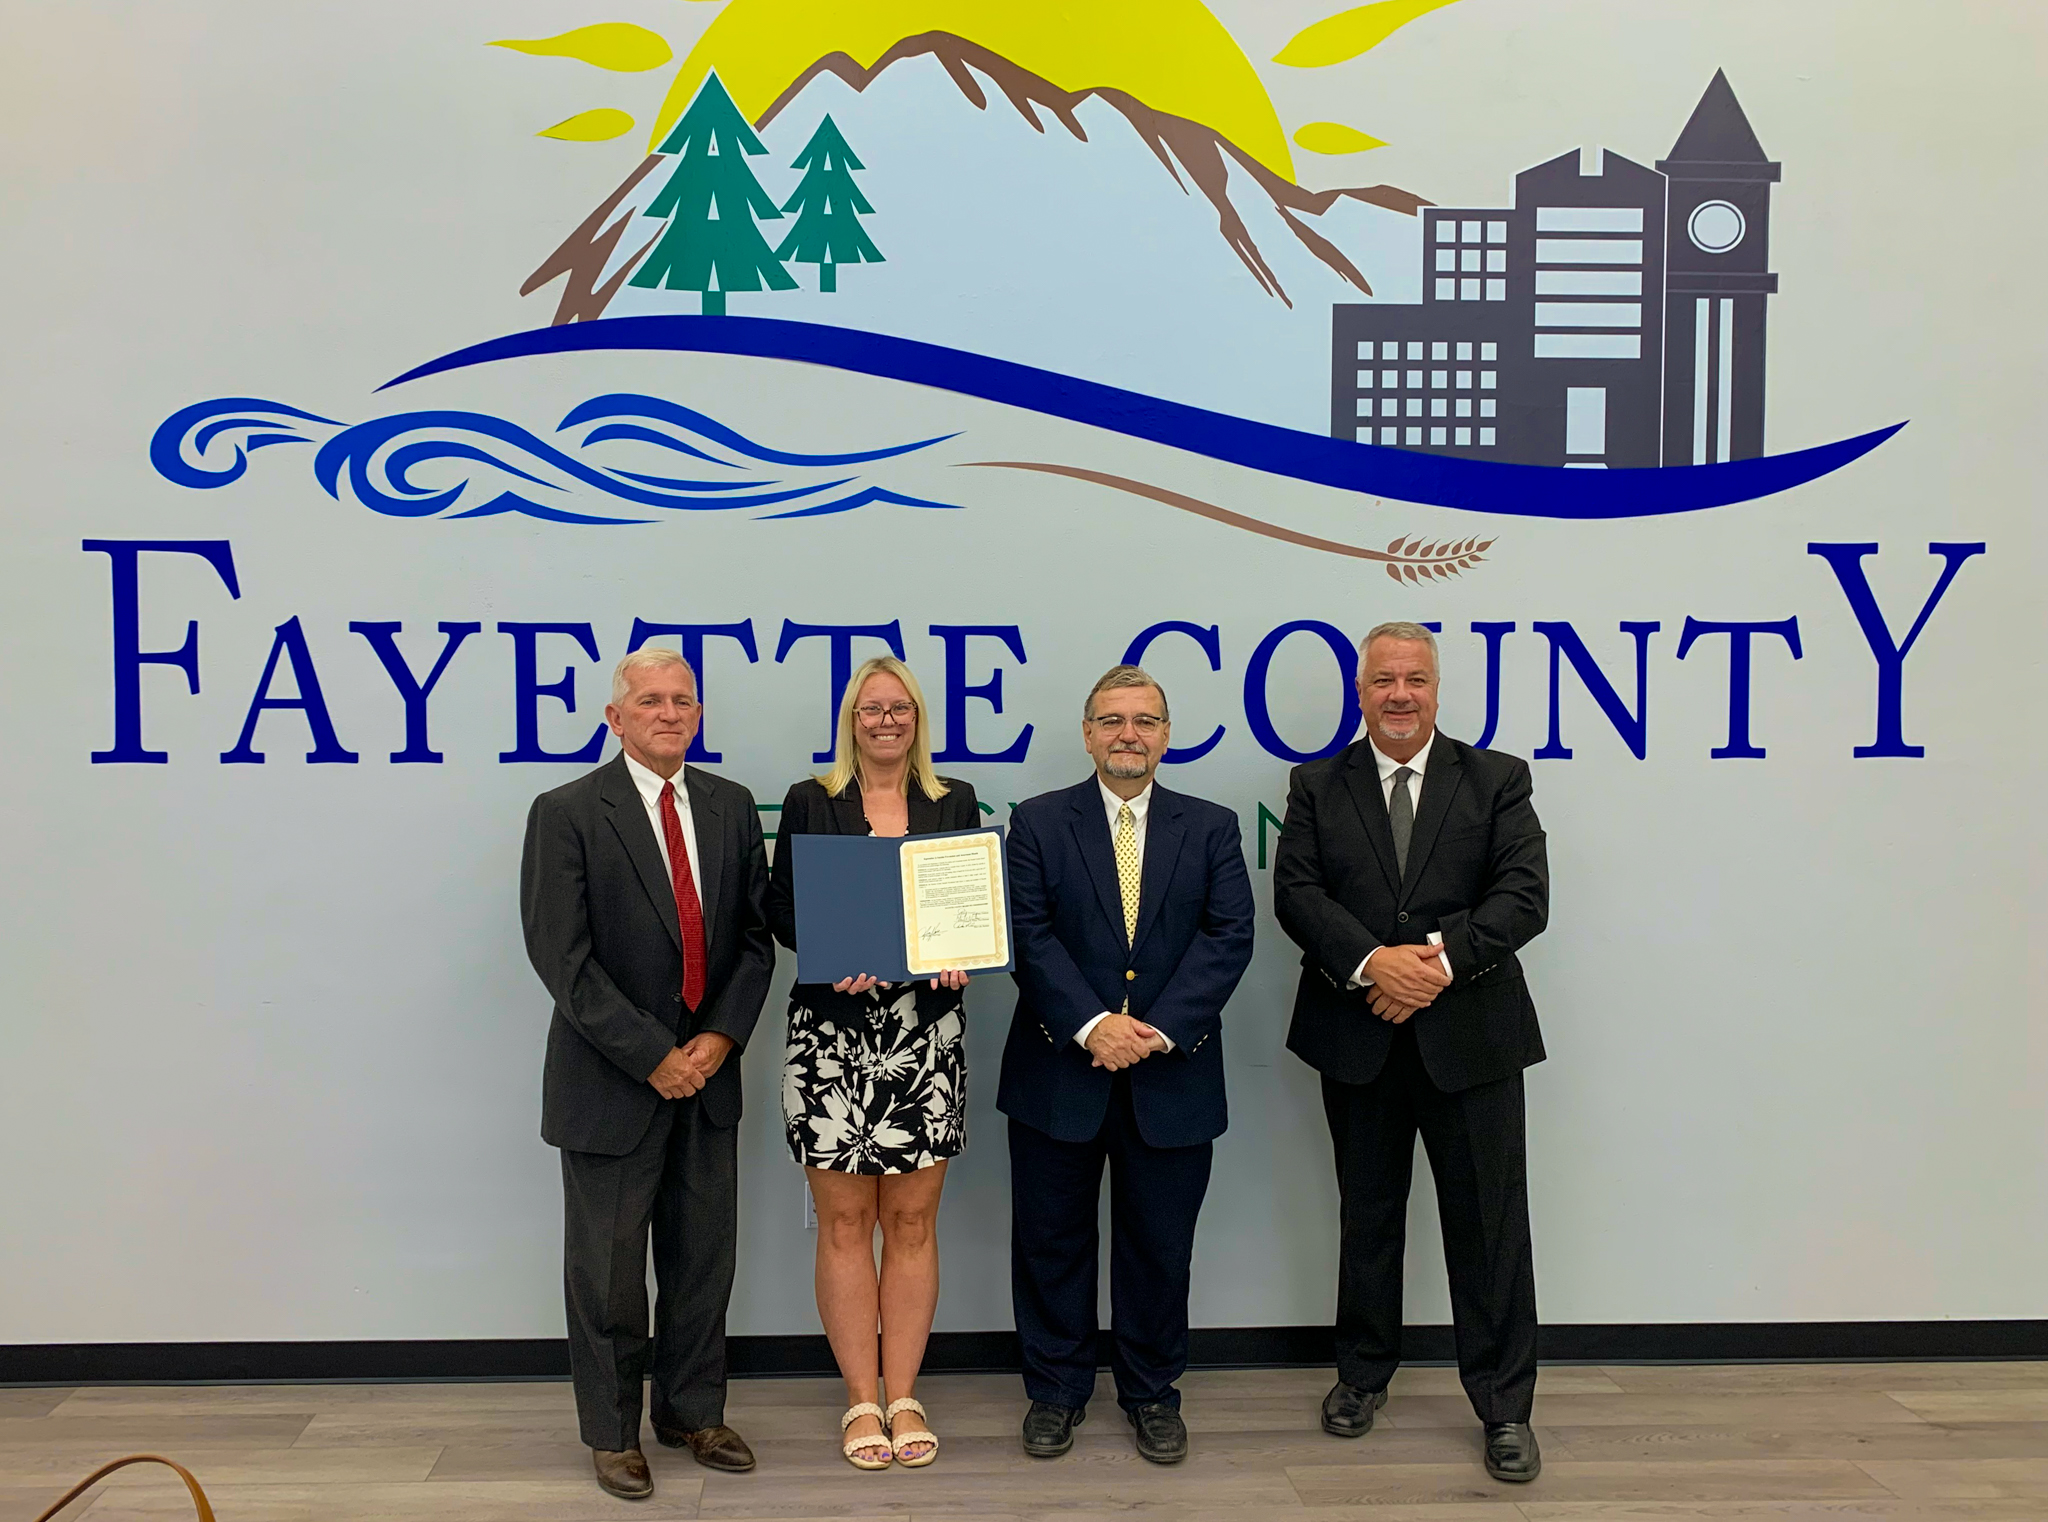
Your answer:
<point x="1171" y="54"/>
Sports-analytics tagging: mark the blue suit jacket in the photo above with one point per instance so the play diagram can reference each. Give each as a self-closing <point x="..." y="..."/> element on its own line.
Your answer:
<point x="1193" y="943"/>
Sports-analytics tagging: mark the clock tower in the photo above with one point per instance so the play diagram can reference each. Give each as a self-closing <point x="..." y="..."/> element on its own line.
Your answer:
<point x="1717" y="281"/>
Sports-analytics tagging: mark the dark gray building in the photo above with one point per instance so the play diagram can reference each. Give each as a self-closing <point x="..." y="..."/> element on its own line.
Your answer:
<point x="1541" y="336"/>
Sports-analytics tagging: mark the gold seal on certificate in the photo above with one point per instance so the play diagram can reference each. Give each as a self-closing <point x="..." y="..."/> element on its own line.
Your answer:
<point x="953" y="910"/>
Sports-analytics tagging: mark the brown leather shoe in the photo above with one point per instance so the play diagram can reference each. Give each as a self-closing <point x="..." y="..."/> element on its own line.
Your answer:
<point x="718" y="1447"/>
<point x="623" y="1474"/>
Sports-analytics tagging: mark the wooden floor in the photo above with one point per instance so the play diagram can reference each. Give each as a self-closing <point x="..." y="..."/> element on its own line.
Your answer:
<point x="1776" y="1441"/>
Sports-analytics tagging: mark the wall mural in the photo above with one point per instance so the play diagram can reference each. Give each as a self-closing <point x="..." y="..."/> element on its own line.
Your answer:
<point x="846" y="187"/>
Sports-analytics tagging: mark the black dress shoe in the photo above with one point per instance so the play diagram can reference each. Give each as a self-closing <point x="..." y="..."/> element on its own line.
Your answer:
<point x="1348" y="1410"/>
<point x="1049" y="1429"/>
<point x="1511" y="1452"/>
<point x="1162" y="1435"/>
<point x="623" y="1474"/>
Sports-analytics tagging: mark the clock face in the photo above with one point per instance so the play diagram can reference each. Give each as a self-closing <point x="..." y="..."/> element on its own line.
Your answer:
<point x="1715" y="227"/>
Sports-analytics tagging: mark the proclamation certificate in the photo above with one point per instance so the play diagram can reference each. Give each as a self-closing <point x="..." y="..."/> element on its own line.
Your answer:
<point x="953" y="909"/>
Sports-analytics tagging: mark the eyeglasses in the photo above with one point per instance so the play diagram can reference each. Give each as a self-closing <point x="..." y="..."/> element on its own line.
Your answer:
<point x="872" y="714"/>
<point x="1111" y="723"/>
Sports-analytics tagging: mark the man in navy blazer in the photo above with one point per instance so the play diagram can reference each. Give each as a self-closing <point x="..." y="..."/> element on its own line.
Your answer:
<point x="1132" y="915"/>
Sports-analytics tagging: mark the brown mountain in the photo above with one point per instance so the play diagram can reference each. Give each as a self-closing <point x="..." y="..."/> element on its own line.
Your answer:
<point x="1192" y="153"/>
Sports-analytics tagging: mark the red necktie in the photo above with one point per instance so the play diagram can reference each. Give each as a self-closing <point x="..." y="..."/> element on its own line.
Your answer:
<point x="689" y="908"/>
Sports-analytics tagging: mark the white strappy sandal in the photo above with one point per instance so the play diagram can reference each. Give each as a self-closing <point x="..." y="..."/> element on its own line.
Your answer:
<point x="925" y="1436"/>
<point x="856" y="1448"/>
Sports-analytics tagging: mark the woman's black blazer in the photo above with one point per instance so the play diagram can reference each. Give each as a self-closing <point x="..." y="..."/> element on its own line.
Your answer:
<point x="807" y="809"/>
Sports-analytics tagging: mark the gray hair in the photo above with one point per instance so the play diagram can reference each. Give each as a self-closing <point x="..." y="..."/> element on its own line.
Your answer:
<point x="646" y="658"/>
<point x="1403" y="630"/>
<point x="1124" y="676"/>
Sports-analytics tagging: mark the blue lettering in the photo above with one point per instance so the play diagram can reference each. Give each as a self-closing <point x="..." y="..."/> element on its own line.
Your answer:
<point x="1211" y="642"/>
<point x="129" y="656"/>
<point x="1846" y="560"/>
<point x="528" y="690"/>
<point x="955" y="638"/>
<point x="1493" y="633"/>
<point x="1259" y="715"/>
<point x="290" y="642"/>
<point x="1739" y="637"/>
<point x="411" y="691"/>
<point x="841" y="637"/>
<point x="693" y="637"/>
<point x="1632" y="727"/>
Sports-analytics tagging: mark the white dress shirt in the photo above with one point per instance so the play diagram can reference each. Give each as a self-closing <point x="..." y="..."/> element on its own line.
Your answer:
<point x="1418" y="764"/>
<point x="1112" y="805"/>
<point x="650" y="785"/>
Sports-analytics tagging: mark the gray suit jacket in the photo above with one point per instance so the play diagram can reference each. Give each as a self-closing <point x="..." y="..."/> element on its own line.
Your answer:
<point x="601" y="930"/>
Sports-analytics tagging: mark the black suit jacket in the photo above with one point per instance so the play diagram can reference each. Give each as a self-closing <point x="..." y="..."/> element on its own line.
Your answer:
<point x="601" y="931"/>
<point x="1193" y="943"/>
<point x="807" y="809"/>
<point x="1477" y="872"/>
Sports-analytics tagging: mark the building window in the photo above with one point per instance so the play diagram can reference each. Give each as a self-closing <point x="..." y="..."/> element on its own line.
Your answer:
<point x="1585" y="420"/>
<point x="1436" y="436"/>
<point x="1468" y="259"/>
<point x="1438" y="351"/>
<point x="1446" y="230"/>
<point x="1414" y="435"/>
<point x="1446" y="289"/>
<point x="1486" y="406"/>
<point x="1391" y="350"/>
<point x="1365" y="349"/>
<point x="1496" y="261"/>
<point x="1439" y="407"/>
<point x="1468" y="232"/>
<point x="1447" y="259"/>
<point x="1365" y="406"/>
<point x="1415" y="406"/>
<point x="1486" y="436"/>
<point x="1415" y="377"/>
<point x="1439" y="379"/>
<point x="1365" y="380"/>
<point x="1390" y="377"/>
<point x="1464" y="435"/>
<point x="1496" y="290"/>
<point x="1464" y="351"/>
<point x="1496" y="232"/>
<point x="1489" y="351"/>
<point x="1390" y="435"/>
<point x="1486" y="379"/>
<point x="1414" y="352"/>
<point x="1363" y="435"/>
<point x="1389" y="407"/>
<point x="1464" y="380"/>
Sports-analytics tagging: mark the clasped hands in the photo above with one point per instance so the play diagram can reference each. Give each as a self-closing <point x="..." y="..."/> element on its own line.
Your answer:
<point x="1404" y="979"/>
<point x="1119" y="1041"/>
<point x="952" y="977"/>
<point x="687" y="1068"/>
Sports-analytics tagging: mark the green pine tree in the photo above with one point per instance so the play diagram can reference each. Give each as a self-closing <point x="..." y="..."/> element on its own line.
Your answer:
<point x="712" y="201"/>
<point x="828" y="207"/>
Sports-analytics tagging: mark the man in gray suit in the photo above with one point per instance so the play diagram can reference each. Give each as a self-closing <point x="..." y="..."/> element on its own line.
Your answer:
<point x="643" y="892"/>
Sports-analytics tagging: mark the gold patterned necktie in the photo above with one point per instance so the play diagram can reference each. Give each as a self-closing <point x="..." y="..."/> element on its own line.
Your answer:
<point x="1127" y="874"/>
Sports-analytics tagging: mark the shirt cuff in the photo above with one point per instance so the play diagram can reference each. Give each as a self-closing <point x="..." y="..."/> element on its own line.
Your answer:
<point x="1081" y="1036"/>
<point x="1358" y="978"/>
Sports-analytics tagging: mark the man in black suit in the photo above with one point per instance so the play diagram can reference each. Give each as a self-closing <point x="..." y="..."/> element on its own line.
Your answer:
<point x="1410" y="871"/>
<point x="644" y="907"/>
<point x="1133" y="922"/>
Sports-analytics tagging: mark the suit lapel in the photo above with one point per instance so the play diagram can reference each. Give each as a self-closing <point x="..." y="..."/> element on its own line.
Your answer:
<point x="1091" y="835"/>
<point x="709" y="819"/>
<point x="925" y="813"/>
<point x="1164" y="836"/>
<point x="848" y="812"/>
<point x="629" y="819"/>
<point x="1439" y="786"/>
<point x="1362" y="778"/>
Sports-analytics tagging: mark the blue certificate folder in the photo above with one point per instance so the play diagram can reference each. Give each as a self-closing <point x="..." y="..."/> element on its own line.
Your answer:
<point x="849" y="905"/>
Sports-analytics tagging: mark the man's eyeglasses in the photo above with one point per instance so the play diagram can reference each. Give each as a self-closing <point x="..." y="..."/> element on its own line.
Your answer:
<point x="1111" y="723"/>
<point x="872" y="714"/>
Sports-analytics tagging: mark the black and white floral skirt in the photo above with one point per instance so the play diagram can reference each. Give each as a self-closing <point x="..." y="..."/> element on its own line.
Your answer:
<point x="871" y="1086"/>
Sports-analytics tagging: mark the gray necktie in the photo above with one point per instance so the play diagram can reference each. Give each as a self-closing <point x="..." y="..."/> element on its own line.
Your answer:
<point x="1401" y="815"/>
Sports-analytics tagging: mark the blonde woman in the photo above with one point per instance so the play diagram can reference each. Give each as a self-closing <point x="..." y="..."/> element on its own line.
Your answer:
<point x="874" y="1087"/>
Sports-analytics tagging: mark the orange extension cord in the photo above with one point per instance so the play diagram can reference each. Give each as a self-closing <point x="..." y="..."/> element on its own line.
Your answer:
<point x="198" y="1496"/>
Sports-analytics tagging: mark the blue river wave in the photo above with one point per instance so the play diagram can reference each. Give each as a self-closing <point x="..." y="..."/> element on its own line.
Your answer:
<point x="481" y="465"/>
<point x="1483" y="486"/>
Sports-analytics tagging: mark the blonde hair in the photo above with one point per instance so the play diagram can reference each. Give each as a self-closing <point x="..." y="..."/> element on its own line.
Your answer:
<point x="846" y="752"/>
